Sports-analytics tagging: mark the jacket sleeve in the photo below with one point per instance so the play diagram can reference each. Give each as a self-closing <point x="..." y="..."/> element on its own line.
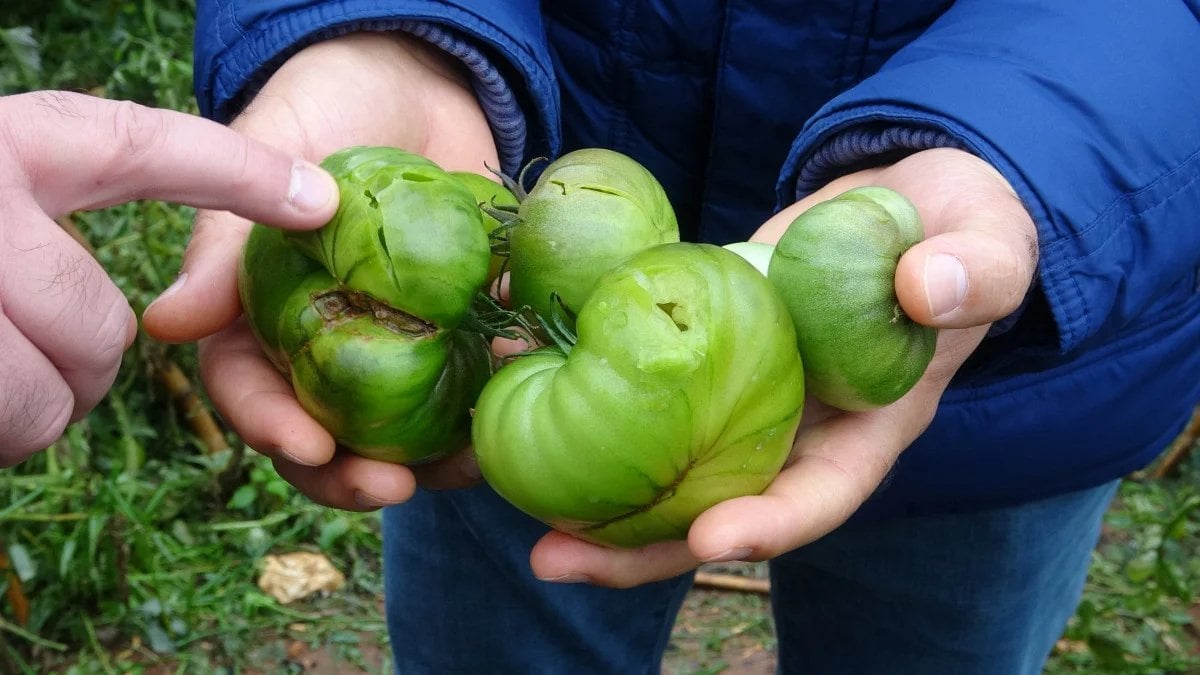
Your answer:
<point x="240" y="43"/>
<point x="1090" y="109"/>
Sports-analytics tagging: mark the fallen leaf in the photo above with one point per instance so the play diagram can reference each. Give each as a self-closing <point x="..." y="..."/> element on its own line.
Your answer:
<point x="291" y="576"/>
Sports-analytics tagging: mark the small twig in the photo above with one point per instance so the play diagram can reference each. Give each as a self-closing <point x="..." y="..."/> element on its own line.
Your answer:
<point x="1179" y="449"/>
<point x="732" y="582"/>
<point x="183" y="394"/>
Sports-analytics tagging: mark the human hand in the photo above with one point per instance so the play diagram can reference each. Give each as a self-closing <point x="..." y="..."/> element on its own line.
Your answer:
<point x="362" y="89"/>
<point x="63" y="324"/>
<point x="974" y="267"/>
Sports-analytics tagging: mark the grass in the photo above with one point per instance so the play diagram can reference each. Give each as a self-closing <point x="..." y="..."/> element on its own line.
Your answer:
<point x="1140" y="611"/>
<point x="134" y="543"/>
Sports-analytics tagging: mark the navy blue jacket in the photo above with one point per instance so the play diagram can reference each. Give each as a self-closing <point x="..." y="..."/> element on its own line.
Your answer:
<point x="1090" y="108"/>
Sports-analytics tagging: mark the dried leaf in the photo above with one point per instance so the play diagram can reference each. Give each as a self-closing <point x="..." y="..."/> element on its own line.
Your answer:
<point x="291" y="576"/>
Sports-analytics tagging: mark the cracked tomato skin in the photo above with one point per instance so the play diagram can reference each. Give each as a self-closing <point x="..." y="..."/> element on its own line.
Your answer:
<point x="835" y="267"/>
<point x="589" y="210"/>
<point x="362" y="314"/>
<point x="684" y="389"/>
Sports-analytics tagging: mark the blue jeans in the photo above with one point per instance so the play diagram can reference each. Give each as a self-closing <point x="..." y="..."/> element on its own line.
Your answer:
<point x="979" y="593"/>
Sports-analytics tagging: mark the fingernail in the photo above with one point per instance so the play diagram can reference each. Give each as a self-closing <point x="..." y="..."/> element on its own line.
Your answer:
<point x="173" y="288"/>
<point x="572" y="578"/>
<point x="945" y="283"/>
<point x="730" y="554"/>
<point x="309" y="189"/>
<point x="294" y="458"/>
<point x="369" y="501"/>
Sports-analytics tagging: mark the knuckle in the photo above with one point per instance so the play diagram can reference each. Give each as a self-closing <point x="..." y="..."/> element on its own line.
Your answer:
<point x="243" y="173"/>
<point x="33" y="414"/>
<point x="93" y="319"/>
<point x="1015" y="275"/>
<point x="140" y="132"/>
<point x="112" y="335"/>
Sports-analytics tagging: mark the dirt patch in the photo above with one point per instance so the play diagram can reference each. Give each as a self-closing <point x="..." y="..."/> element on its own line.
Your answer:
<point x="727" y="630"/>
<point x="370" y="655"/>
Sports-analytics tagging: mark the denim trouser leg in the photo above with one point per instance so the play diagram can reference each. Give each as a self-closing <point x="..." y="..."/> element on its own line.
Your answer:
<point x="970" y="594"/>
<point x="986" y="592"/>
<point x="461" y="598"/>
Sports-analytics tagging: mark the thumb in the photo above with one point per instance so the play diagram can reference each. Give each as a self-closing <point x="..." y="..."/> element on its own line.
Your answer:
<point x="204" y="298"/>
<point x="975" y="269"/>
<point x="838" y="463"/>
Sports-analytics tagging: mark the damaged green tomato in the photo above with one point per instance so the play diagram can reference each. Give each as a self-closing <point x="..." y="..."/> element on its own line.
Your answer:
<point x="589" y="210"/>
<point x="362" y="315"/>
<point x="683" y="389"/>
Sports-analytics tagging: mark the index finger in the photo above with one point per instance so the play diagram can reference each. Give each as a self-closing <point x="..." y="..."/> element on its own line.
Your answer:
<point x="106" y="152"/>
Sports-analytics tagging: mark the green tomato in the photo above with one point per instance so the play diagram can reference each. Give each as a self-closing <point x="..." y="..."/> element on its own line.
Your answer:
<point x="589" y="210"/>
<point x="489" y="193"/>
<point x="756" y="253"/>
<point x="683" y="389"/>
<point x="361" y="314"/>
<point x="835" y="267"/>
